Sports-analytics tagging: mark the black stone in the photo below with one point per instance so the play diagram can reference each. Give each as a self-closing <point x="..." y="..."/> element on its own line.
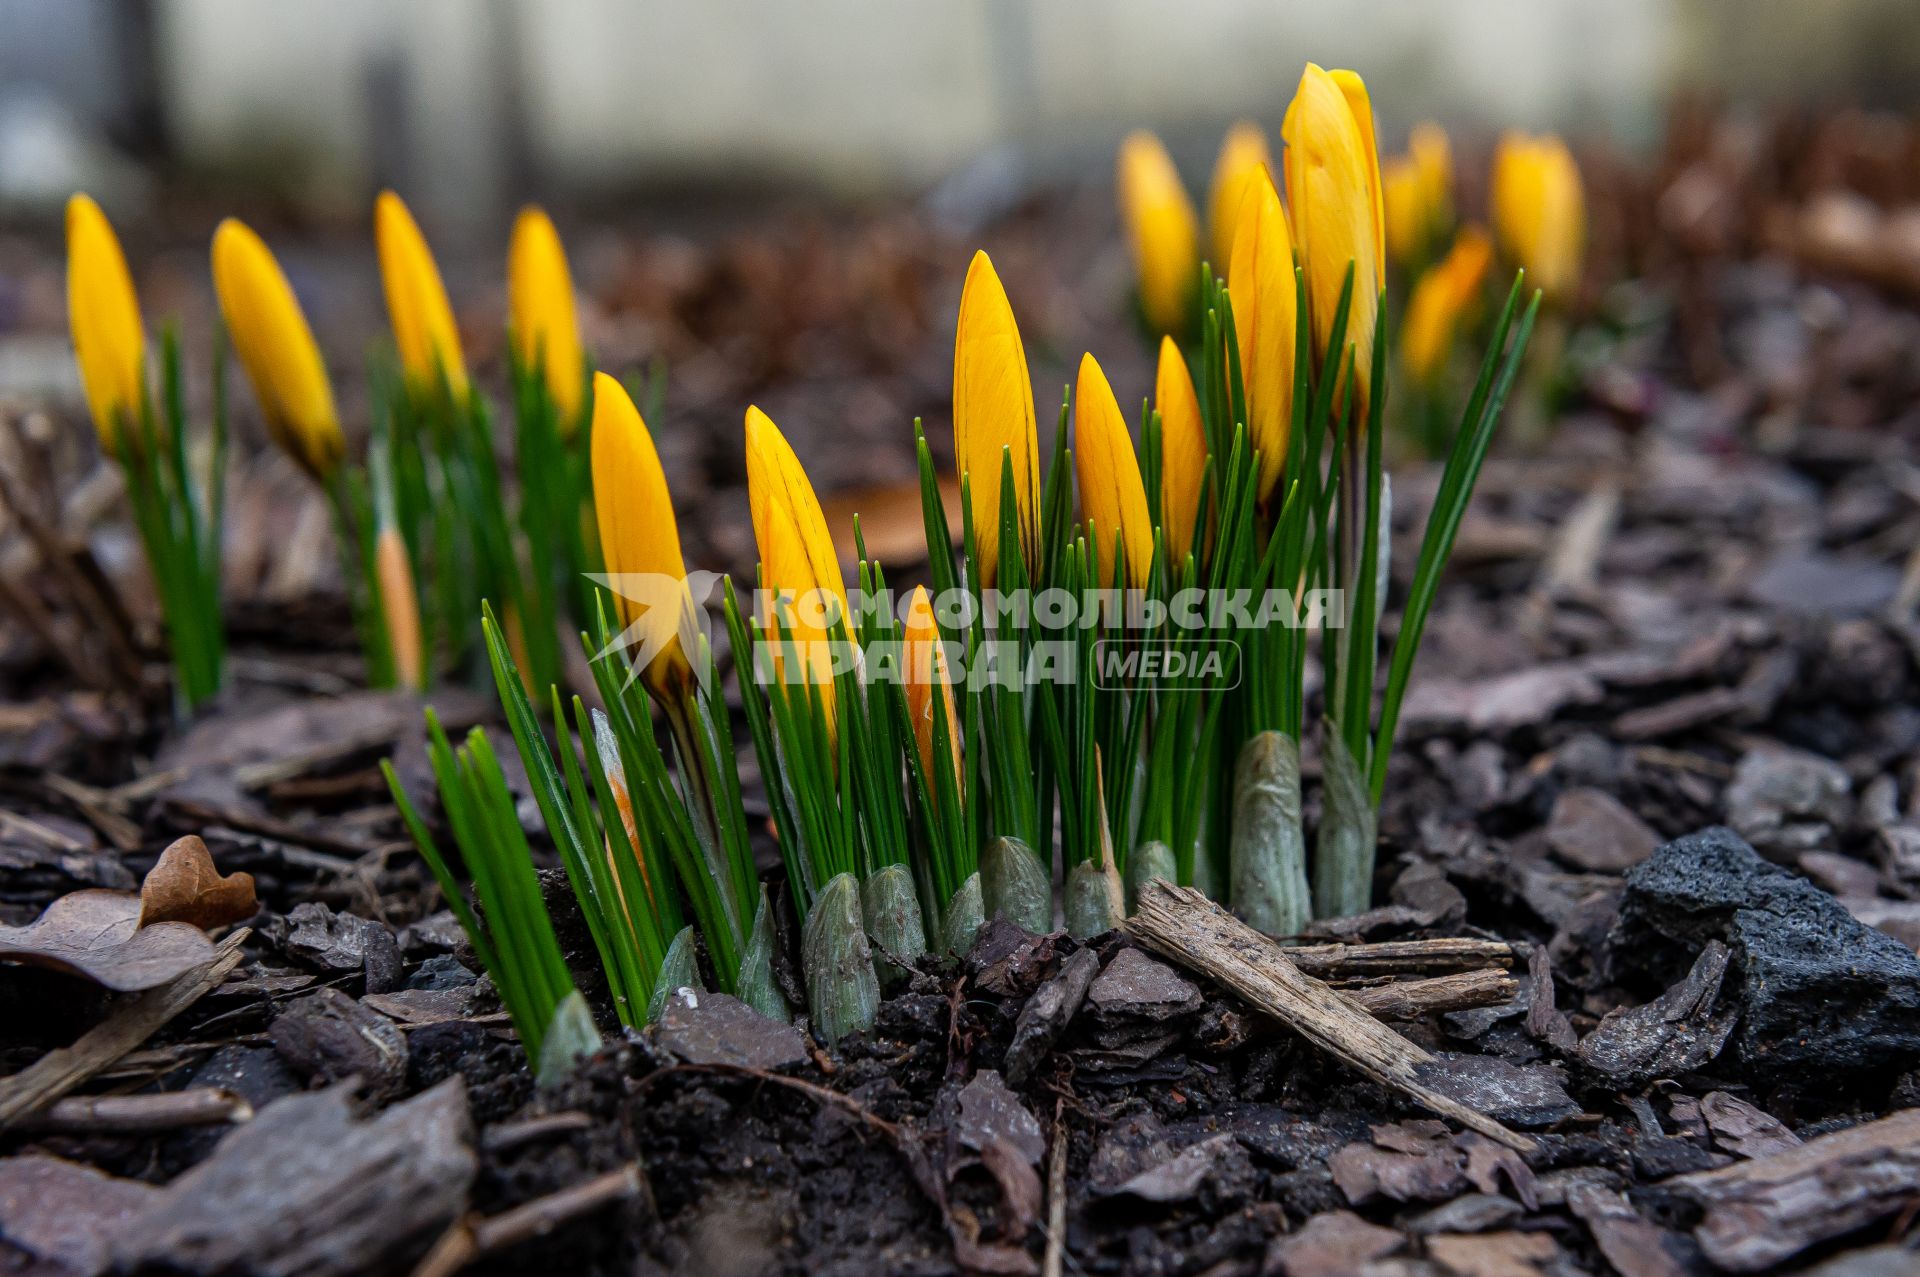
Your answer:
<point x="1822" y="995"/>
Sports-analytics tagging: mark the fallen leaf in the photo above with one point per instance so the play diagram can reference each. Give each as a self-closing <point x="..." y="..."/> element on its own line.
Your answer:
<point x="97" y="934"/>
<point x="185" y="887"/>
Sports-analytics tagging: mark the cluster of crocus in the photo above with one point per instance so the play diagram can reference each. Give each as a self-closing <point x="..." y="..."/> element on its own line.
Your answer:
<point x="427" y="521"/>
<point x="176" y="510"/>
<point x="1537" y="211"/>
<point x="924" y="772"/>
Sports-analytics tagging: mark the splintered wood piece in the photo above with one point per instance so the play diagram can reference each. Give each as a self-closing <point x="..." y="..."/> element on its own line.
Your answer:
<point x="1400" y="957"/>
<point x="60" y="1070"/>
<point x="164" y="1111"/>
<point x="1182" y="924"/>
<point x="1762" y="1213"/>
<point x="1411" y="999"/>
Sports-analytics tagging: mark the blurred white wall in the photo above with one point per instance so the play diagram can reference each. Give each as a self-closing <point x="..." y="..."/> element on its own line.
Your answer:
<point x="464" y="100"/>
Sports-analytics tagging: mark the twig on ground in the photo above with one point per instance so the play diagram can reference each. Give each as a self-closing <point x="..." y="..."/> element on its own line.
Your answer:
<point x="1411" y="999"/>
<point x="166" y="1111"/>
<point x="1400" y="957"/>
<point x="1184" y="925"/>
<point x="472" y="1239"/>
<point x="498" y="1139"/>
<point x="1053" y="1263"/>
<point x="62" y="1069"/>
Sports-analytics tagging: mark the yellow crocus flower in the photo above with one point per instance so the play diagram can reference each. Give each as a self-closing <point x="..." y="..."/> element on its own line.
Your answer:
<point x="1432" y="156"/>
<point x="103" y="313"/>
<point x="1242" y="155"/>
<point x="1183" y="449"/>
<point x="546" y="327"/>
<point x="1444" y="296"/>
<point x="1407" y="214"/>
<point x="639" y="536"/>
<point x="1539" y="211"/>
<point x="1333" y="195"/>
<point x="1417" y="193"/>
<point x="927" y="675"/>
<point x="417" y="305"/>
<point x="276" y="347"/>
<point x="1112" y="496"/>
<point x="1265" y="318"/>
<point x="1163" y="230"/>
<point x="797" y="559"/>
<point x="400" y="605"/>
<point x="993" y="415"/>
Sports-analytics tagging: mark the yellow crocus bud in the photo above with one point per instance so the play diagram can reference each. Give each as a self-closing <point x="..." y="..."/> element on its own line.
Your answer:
<point x="1407" y="217"/>
<point x="927" y="676"/>
<point x="103" y="313"/>
<point x="1432" y="156"/>
<point x="797" y="559"/>
<point x="1442" y="299"/>
<point x="1242" y="155"/>
<point x="1333" y="195"/>
<point x="1163" y="229"/>
<point x="417" y="306"/>
<point x="546" y="328"/>
<point x="1265" y="316"/>
<point x="993" y="415"/>
<point x="400" y="605"/>
<point x="1417" y="193"/>
<point x="640" y="539"/>
<point x="1183" y="449"/>
<point x="1112" y="496"/>
<point x="1539" y="211"/>
<point x="276" y="347"/>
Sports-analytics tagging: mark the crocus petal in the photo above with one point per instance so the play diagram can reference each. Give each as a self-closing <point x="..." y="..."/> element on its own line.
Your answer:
<point x="993" y="415"/>
<point x="103" y="313"/>
<point x="1183" y="449"/>
<point x="1242" y="155"/>
<point x="1163" y="230"/>
<point x="1539" y="211"/>
<point x="276" y="347"/>
<point x="797" y="558"/>
<point x="1265" y="304"/>
<point x="927" y="676"/>
<point x="1112" y="496"/>
<point x="639" y="537"/>
<point x="1441" y="300"/>
<point x="400" y="606"/>
<point x="546" y="327"/>
<point x="422" y="318"/>
<point x="1333" y="196"/>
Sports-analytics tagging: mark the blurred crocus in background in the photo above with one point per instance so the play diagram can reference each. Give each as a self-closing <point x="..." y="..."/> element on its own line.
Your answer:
<point x="1539" y="212"/>
<point x="1243" y="154"/>
<point x="109" y="341"/>
<point x="1163" y="231"/>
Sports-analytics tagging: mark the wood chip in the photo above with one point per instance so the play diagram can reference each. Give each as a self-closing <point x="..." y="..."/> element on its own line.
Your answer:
<point x="60" y="1070"/>
<point x="1184" y="925"/>
<point x="1763" y="1212"/>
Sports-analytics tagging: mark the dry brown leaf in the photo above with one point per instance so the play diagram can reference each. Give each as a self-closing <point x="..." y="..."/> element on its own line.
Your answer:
<point x="97" y="934"/>
<point x="185" y="887"/>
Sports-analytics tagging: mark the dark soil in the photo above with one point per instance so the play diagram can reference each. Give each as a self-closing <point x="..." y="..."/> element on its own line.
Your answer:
<point x="1689" y="604"/>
